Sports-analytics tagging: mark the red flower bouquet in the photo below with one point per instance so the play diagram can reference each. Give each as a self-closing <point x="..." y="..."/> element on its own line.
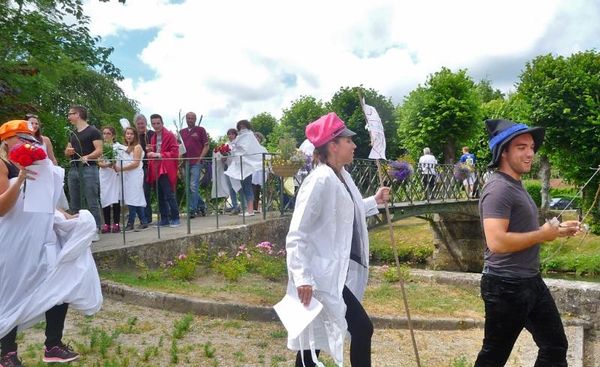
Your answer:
<point x="26" y="154"/>
<point x="224" y="149"/>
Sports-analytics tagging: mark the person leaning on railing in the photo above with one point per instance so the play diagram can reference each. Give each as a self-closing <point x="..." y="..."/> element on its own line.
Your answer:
<point x="129" y="163"/>
<point x="162" y="170"/>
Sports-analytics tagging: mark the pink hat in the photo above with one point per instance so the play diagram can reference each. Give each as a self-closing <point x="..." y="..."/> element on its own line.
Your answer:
<point x="326" y="128"/>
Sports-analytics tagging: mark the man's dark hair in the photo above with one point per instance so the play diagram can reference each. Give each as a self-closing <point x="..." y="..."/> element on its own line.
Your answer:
<point x="156" y="116"/>
<point x="243" y="124"/>
<point x="81" y="111"/>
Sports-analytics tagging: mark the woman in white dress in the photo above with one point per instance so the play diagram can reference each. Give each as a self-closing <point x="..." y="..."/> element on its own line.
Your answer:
<point x="46" y="262"/>
<point x="110" y="185"/>
<point x="36" y="127"/>
<point x="130" y="165"/>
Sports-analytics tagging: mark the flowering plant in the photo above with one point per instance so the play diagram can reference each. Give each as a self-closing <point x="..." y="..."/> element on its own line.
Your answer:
<point x="400" y="170"/>
<point x="224" y="149"/>
<point x="290" y="158"/>
<point x="26" y="154"/>
<point x="462" y="171"/>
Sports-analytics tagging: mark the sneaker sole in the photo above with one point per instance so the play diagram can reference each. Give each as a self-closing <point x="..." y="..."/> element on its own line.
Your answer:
<point x="59" y="360"/>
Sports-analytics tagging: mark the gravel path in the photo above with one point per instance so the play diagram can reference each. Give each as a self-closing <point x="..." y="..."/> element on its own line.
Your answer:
<point x="145" y="339"/>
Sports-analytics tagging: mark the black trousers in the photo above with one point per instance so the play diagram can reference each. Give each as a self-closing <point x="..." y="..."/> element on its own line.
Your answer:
<point x="360" y="328"/>
<point x="116" y="210"/>
<point x="513" y="304"/>
<point x="148" y="197"/>
<point x="55" y="324"/>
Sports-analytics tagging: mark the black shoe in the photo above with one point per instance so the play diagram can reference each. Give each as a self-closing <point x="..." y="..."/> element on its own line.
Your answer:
<point x="10" y="360"/>
<point x="202" y="212"/>
<point x="129" y="227"/>
<point x="192" y="215"/>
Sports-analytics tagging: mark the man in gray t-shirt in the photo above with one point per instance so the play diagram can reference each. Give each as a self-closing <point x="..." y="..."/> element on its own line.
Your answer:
<point x="514" y="294"/>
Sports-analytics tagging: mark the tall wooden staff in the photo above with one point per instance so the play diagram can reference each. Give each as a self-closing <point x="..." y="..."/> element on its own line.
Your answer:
<point x="377" y="144"/>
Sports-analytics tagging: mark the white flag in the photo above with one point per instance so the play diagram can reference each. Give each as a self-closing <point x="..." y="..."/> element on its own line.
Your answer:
<point x="375" y="128"/>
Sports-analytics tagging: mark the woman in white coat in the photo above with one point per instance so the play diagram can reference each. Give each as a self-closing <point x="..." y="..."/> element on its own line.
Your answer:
<point x="328" y="249"/>
<point x="46" y="263"/>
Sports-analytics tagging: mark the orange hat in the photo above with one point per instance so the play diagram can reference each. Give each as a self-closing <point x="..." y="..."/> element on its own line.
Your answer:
<point x="14" y="127"/>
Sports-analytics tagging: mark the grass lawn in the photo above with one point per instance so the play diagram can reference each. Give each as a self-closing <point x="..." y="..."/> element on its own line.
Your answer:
<point x="382" y="298"/>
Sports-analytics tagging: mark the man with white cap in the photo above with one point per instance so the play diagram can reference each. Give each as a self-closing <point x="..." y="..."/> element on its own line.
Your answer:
<point x="512" y="289"/>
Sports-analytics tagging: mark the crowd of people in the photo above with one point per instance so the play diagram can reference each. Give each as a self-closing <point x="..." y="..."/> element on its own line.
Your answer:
<point x="106" y="174"/>
<point x="52" y="269"/>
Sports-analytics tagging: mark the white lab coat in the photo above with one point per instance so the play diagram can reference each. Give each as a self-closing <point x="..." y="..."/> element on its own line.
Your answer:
<point x="318" y="253"/>
<point x="251" y="152"/>
<point x="45" y="260"/>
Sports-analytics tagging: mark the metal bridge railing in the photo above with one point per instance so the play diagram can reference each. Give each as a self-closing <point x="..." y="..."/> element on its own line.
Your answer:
<point x="277" y="194"/>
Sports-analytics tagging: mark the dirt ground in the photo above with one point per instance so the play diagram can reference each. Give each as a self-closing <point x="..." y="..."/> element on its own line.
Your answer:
<point x="145" y="339"/>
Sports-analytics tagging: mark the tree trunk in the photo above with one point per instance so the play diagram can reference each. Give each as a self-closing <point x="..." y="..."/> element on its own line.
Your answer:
<point x="450" y="152"/>
<point x="545" y="170"/>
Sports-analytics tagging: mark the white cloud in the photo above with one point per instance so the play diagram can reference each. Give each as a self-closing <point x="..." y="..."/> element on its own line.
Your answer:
<point x="232" y="59"/>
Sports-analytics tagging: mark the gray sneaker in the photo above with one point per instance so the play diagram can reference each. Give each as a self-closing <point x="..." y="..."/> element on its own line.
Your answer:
<point x="141" y="227"/>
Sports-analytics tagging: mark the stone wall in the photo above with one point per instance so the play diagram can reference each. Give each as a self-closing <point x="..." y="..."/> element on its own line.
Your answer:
<point x="154" y="253"/>
<point x="458" y="241"/>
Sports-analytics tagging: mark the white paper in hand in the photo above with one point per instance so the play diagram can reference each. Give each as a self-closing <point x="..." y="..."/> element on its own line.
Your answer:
<point x="294" y="316"/>
<point x="39" y="192"/>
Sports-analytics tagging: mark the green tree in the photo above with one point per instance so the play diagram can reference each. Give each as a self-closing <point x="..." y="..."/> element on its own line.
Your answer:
<point x="564" y="97"/>
<point x="301" y="112"/>
<point x="443" y="114"/>
<point x="487" y="92"/>
<point x="346" y="104"/>
<point x="49" y="61"/>
<point x="264" y="123"/>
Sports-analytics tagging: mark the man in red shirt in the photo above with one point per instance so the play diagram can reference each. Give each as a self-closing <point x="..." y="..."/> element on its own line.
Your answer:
<point x="196" y="144"/>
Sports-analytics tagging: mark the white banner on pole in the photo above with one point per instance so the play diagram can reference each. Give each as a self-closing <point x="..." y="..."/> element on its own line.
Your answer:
<point x="375" y="128"/>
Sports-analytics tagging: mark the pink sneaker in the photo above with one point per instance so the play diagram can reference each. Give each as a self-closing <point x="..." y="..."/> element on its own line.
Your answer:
<point x="105" y="228"/>
<point x="59" y="354"/>
<point x="116" y="228"/>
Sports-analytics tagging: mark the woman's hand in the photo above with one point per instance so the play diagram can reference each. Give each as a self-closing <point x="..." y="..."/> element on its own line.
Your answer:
<point x="68" y="216"/>
<point x="25" y="174"/>
<point x="382" y="195"/>
<point x="305" y="294"/>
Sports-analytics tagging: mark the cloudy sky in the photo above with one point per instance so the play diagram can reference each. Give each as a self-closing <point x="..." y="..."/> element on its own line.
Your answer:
<point x="231" y="59"/>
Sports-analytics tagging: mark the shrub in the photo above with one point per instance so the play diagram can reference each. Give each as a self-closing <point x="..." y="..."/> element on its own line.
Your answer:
<point x="184" y="266"/>
<point x="231" y="268"/>
<point x="416" y="254"/>
<point x="534" y="188"/>
<point x="263" y="259"/>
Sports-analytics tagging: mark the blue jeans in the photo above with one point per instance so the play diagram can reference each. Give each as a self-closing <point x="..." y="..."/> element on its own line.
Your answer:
<point x="83" y="182"/>
<point x="167" y="204"/>
<point x="513" y="304"/>
<point x="196" y="202"/>
<point x="246" y="192"/>
<point x="232" y="193"/>
<point x="140" y="211"/>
